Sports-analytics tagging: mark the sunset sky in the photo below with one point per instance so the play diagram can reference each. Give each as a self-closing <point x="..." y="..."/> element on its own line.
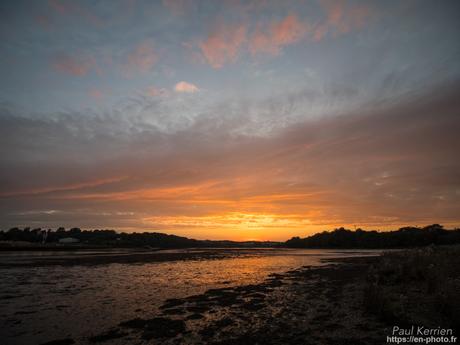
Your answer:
<point x="229" y="119"/>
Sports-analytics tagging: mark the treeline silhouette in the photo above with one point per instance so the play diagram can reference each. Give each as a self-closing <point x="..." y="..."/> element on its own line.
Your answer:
<point x="339" y="238"/>
<point x="118" y="239"/>
<point x="97" y="237"/>
<point x="401" y="238"/>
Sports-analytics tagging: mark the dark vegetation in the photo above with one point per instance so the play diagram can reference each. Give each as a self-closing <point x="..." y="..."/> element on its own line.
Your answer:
<point x="115" y="239"/>
<point x="416" y="287"/>
<point x="339" y="238"/>
<point x="402" y="238"/>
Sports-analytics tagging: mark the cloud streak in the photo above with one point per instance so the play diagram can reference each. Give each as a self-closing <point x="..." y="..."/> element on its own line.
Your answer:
<point x="373" y="168"/>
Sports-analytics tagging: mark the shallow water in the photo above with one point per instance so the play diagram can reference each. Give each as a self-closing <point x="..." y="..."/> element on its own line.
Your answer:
<point x="39" y="304"/>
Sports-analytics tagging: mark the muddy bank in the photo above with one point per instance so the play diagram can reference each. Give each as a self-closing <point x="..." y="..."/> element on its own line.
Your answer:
<point x="303" y="306"/>
<point x="131" y="257"/>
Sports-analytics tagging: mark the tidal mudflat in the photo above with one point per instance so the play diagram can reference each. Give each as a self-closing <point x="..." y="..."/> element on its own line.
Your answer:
<point x="179" y="296"/>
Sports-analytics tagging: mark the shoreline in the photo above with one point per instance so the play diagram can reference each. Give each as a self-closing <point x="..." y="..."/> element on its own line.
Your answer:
<point x="93" y="257"/>
<point x="349" y="300"/>
<point x="127" y="256"/>
<point x="308" y="305"/>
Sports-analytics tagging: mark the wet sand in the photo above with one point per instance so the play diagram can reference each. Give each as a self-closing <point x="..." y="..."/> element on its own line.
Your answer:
<point x="309" y="305"/>
<point x="117" y="256"/>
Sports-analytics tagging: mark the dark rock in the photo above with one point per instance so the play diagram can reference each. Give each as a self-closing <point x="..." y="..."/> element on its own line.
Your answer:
<point x="228" y="300"/>
<point x="274" y="283"/>
<point x="172" y="302"/>
<point x="207" y="332"/>
<point x="174" y="311"/>
<point x="25" y="312"/>
<point x="257" y="295"/>
<point x="198" y="309"/>
<point x="109" y="335"/>
<point x="195" y="316"/>
<point x="66" y="341"/>
<point x="213" y="328"/>
<point x="197" y="298"/>
<point x="134" y="323"/>
<point x="160" y="327"/>
<point x="219" y="291"/>
<point x="332" y="326"/>
<point x="253" y="305"/>
<point x="275" y="276"/>
<point x="224" y="322"/>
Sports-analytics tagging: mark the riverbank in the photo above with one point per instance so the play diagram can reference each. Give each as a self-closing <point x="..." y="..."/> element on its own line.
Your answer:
<point x="306" y="305"/>
<point x="93" y="257"/>
<point x="347" y="301"/>
<point x="105" y="256"/>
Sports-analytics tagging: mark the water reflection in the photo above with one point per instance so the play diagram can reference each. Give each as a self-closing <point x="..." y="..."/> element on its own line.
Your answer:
<point x="35" y="300"/>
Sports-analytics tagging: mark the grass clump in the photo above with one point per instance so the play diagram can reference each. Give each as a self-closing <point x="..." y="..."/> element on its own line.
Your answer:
<point x="416" y="286"/>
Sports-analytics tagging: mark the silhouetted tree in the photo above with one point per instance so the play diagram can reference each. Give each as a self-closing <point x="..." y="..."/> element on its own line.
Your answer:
<point x="404" y="237"/>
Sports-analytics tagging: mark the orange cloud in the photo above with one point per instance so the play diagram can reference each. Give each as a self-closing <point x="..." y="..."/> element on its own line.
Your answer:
<point x="74" y="65"/>
<point x="183" y="86"/>
<point x="280" y="33"/>
<point x="64" y="188"/>
<point x="341" y="19"/>
<point x="223" y="44"/>
<point x="227" y="42"/>
<point x="141" y="59"/>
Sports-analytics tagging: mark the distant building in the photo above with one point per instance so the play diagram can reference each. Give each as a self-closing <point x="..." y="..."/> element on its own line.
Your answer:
<point x="69" y="240"/>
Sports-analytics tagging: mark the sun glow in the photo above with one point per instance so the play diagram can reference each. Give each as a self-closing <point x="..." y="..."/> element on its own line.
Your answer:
<point x="243" y="226"/>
